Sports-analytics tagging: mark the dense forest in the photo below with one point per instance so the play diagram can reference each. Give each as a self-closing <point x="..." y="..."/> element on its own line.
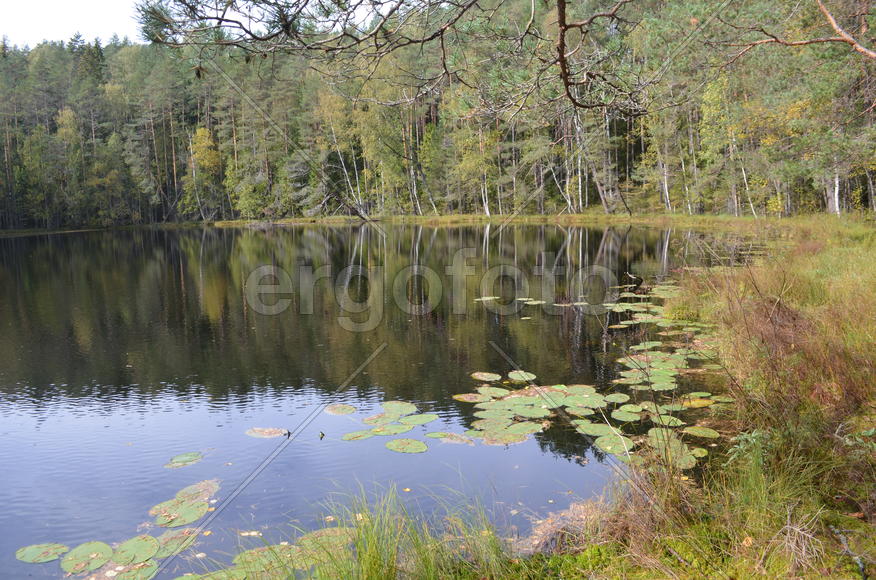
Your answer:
<point x="763" y="108"/>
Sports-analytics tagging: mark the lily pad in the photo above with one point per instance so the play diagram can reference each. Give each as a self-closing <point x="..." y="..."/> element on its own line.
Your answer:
<point x="580" y="390"/>
<point x="177" y="512"/>
<point x="201" y="491"/>
<point x="494" y="392"/>
<point x="175" y="541"/>
<point x="266" y="432"/>
<point x="380" y="419"/>
<point x="532" y="412"/>
<point x="139" y="571"/>
<point x="392" y="429"/>
<point x="495" y="414"/>
<point x="406" y="446"/>
<point x="699" y="451"/>
<point x="521" y="376"/>
<point x="399" y="408"/>
<point x="614" y="444"/>
<point x="471" y="398"/>
<point x="697" y="403"/>
<point x="340" y="409"/>
<point x="630" y="408"/>
<point x="39" y="553"/>
<point x="137" y="549"/>
<point x="358" y="435"/>
<point x="624" y="416"/>
<point x="524" y="428"/>
<point x="486" y="377"/>
<point x="701" y="432"/>
<point x="580" y="411"/>
<point x="667" y="420"/>
<point x="86" y="557"/>
<point x="418" y="419"/>
<point x="184" y="459"/>
<point x="491" y="424"/>
<point x="617" y="398"/>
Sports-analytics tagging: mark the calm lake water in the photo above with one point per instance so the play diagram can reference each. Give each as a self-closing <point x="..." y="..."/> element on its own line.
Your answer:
<point x="123" y="349"/>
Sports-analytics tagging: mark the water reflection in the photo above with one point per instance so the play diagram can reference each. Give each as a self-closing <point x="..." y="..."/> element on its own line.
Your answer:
<point x="146" y="336"/>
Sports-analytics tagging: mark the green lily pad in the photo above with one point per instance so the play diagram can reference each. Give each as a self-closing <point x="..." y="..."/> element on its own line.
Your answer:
<point x="491" y="424"/>
<point x="624" y="416"/>
<point x="201" y="491"/>
<point x="175" y="541"/>
<point x="494" y="392"/>
<point x="139" y="571"/>
<point x="137" y="549"/>
<point x="399" y="408"/>
<point x="486" y="377"/>
<point x="595" y="401"/>
<point x="406" y="446"/>
<point x="667" y="420"/>
<point x="418" y="419"/>
<point x="532" y="412"/>
<point x="699" y="394"/>
<point x="438" y="434"/>
<point x="266" y="432"/>
<point x="184" y="459"/>
<point x="580" y="390"/>
<point x="671" y="408"/>
<point x="39" y="553"/>
<point x="630" y="408"/>
<point x="495" y="414"/>
<point x="392" y="429"/>
<point x="474" y="433"/>
<point x="521" y="376"/>
<point x="699" y="452"/>
<point x="580" y="411"/>
<point x="358" y="435"/>
<point x="177" y="512"/>
<point x="701" y="432"/>
<point x="86" y="557"/>
<point x="617" y="398"/>
<point x="524" y="428"/>
<point x="340" y="409"/>
<point x="614" y="444"/>
<point x="380" y="419"/>
<point x="471" y="398"/>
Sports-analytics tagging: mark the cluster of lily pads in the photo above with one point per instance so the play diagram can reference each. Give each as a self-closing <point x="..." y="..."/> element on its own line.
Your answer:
<point x="397" y="417"/>
<point x="135" y="558"/>
<point x="651" y="370"/>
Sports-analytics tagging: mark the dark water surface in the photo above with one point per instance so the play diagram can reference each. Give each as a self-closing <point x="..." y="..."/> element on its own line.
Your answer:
<point x="119" y="350"/>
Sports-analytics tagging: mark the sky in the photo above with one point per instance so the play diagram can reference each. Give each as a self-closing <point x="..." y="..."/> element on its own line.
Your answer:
<point x="32" y="21"/>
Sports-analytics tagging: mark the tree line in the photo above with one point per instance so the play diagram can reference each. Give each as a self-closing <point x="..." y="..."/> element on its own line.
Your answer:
<point x="761" y="109"/>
